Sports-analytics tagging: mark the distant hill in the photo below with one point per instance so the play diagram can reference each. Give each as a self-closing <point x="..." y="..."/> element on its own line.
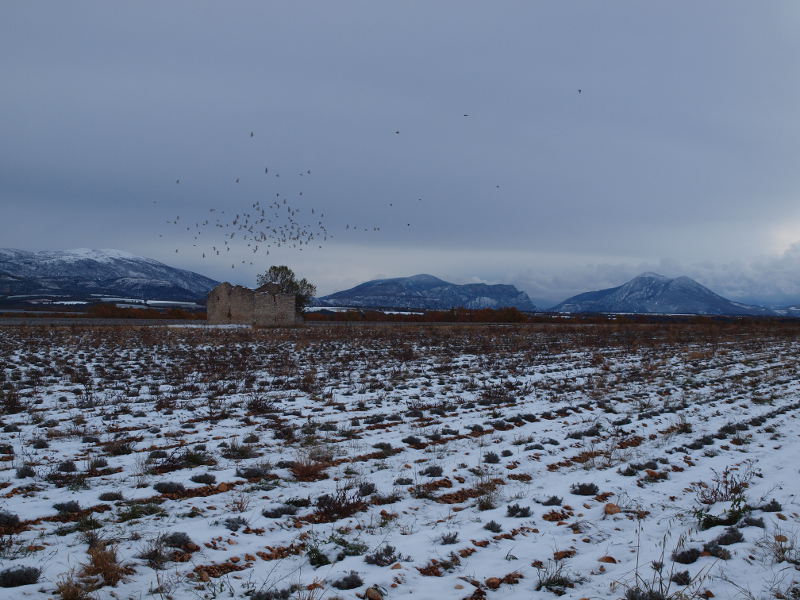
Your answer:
<point x="654" y="293"/>
<point x="83" y="272"/>
<point x="428" y="292"/>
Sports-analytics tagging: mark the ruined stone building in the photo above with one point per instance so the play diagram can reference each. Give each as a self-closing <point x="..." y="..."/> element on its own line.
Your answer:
<point x="262" y="307"/>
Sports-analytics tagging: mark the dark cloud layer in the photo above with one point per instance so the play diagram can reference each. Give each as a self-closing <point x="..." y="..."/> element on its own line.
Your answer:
<point x="678" y="154"/>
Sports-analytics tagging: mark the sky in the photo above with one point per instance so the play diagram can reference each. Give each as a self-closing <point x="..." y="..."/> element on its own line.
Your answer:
<point x="603" y="139"/>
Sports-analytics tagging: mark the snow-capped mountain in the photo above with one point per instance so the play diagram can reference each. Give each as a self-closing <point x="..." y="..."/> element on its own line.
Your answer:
<point x="788" y="311"/>
<point x="654" y="293"/>
<point x="428" y="292"/>
<point x="83" y="272"/>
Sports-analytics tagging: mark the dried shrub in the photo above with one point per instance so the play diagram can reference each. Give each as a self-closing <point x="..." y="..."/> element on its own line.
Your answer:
<point x="25" y="471"/>
<point x="342" y="503"/>
<point x="771" y="506"/>
<point x="169" y="487"/>
<point x="732" y="535"/>
<point x="237" y="451"/>
<point x="686" y="557"/>
<point x="111" y="497"/>
<point x="67" y="507"/>
<point x="258" y="471"/>
<point x="307" y="469"/>
<point x="716" y="550"/>
<point x="383" y="557"/>
<point x="317" y="558"/>
<point x="176" y="539"/>
<point x="155" y="554"/>
<point x="235" y="523"/>
<point x="366" y="488"/>
<point x="118" y="448"/>
<point x="451" y="537"/>
<point x="491" y="458"/>
<point x="17" y="576"/>
<point x="515" y="510"/>
<point x="348" y="582"/>
<point x="493" y="526"/>
<point x="281" y="511"/>
<point x="432" y="471"/>
<point x="204" y="478"/>
<point x="8" y="520"/>
<point x="584" y="489"/>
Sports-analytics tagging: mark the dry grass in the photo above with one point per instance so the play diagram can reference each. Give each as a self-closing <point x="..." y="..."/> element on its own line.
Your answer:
<point x="103" y="567"/>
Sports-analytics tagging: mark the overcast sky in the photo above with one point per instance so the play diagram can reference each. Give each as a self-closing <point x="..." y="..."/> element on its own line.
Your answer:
<point x="679" y="155"/>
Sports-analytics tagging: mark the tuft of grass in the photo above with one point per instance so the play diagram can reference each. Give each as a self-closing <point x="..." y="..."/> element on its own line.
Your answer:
<point x="69" y="588"/>
<point x="104" y="568"/>
<point x="555" y="578"/>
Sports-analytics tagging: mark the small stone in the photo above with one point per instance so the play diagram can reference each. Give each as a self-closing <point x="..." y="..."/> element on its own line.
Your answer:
<point x="493" y="583"/>
<point x="373" y="593"/>
<point x="608" y="559"/>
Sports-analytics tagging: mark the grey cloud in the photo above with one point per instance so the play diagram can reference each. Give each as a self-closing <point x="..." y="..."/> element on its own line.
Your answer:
<point x="682" y="144"/>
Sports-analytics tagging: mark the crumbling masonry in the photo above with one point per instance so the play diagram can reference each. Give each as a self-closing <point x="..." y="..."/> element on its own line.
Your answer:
<point x="263" y="307"/>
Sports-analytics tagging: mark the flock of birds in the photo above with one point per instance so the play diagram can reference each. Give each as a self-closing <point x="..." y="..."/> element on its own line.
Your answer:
<point x="266" y="225"/>
<point x="263" y="226"/>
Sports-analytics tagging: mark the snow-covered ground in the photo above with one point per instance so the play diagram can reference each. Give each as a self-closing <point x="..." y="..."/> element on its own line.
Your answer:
<point x="480" y="462"/>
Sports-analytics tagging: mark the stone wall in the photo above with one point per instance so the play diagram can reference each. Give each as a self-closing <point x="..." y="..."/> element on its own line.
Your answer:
<point x="234" y="304"/>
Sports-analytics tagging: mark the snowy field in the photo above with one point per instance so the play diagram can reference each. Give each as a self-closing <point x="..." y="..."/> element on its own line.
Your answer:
<point x="615" y="461"/>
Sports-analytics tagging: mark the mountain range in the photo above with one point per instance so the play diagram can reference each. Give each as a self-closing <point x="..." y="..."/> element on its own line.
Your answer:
<point x="83" y="273"/>
<point x="428" y="292"/>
